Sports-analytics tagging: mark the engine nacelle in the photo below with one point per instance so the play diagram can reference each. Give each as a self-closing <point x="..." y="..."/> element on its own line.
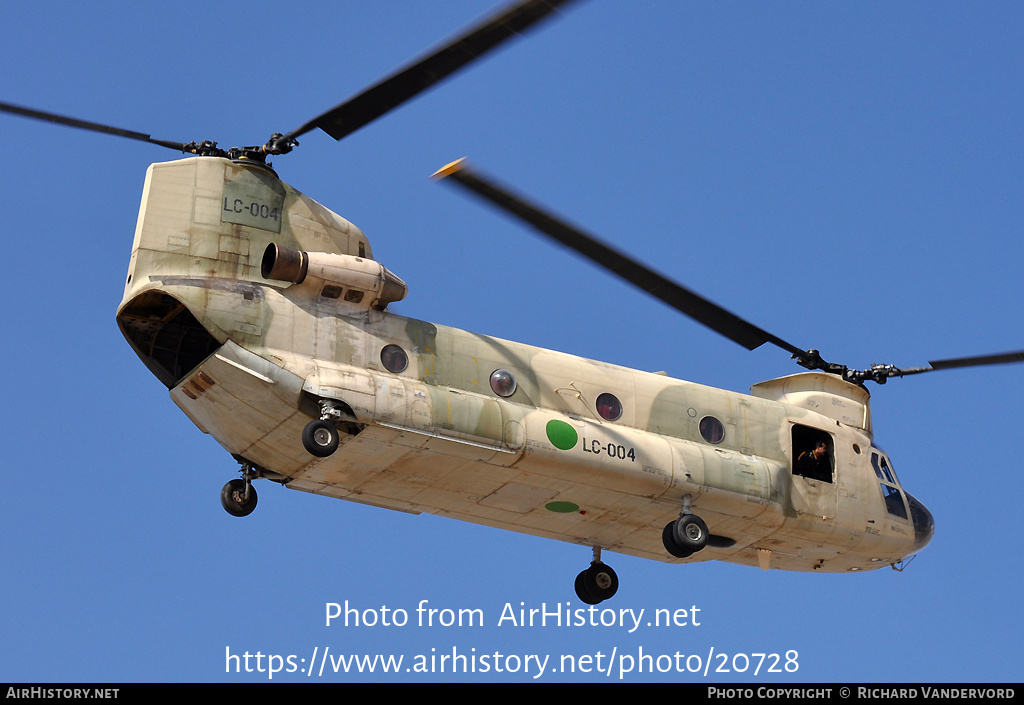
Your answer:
<point x="356" y="281"/>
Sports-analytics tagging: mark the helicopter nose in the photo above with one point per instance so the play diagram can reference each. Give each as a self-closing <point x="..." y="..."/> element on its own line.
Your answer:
<point x="924" y="524"/>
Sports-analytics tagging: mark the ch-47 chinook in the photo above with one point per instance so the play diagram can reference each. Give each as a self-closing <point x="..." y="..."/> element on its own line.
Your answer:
<point x="266" y="316"/>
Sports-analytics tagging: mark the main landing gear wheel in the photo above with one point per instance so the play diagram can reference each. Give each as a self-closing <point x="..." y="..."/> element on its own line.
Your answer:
<point x="685" y="536"/>
<point x="239" y="498"/>
<point x="320" y="438"/>
<point x="668" y="538"/>
<point x="596" y="584"/>
<point x="691" y="532"/>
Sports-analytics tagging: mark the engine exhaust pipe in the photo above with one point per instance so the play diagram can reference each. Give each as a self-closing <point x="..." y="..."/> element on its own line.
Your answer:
<point x="284" y="264"/>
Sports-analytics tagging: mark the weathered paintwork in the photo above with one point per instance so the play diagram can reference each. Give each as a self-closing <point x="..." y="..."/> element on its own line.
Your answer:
<point x="247" y="359"/>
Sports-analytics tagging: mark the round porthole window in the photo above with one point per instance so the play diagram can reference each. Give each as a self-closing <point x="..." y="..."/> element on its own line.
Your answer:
<point x="609" y="407"/>
<point x="503" y="383"/>
<point x="394" y="358"/>
<point x="711" y="429"/>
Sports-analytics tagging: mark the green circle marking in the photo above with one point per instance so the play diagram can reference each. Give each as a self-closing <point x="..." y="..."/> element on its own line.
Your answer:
<point x="562" y="507"/>
<point x="562" y="435"/>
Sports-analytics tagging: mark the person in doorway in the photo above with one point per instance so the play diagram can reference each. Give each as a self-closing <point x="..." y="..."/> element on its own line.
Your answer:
<point x="814" y="464"/>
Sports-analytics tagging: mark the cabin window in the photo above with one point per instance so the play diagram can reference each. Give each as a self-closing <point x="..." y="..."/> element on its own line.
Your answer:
<point x="609" y="407"/>
<point x="890" y="487"/>
<point x="503" y="383"/>
<point x="394" y="359"/>
<point x="711" y="429"/>
<point x="331" y="291"/>
<point x="354" y="296"/>
<point x="812" y="453"/>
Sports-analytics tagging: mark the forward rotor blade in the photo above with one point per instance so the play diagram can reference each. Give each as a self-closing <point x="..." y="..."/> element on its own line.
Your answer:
<point x="678" y="297"/>
<point x="85" y="125"/>
<point x="408" y="82"/>
<point x="975" y="361"/>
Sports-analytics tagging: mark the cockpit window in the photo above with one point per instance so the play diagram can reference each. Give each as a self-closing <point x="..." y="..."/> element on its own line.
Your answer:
<point x="882" y="469"/>
<point x="891" y="493"/>
<point x="894" y="501"/>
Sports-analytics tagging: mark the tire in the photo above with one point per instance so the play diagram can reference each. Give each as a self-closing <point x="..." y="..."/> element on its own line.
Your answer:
<point x="600" y="582"/>
<point x="232" y="498"/>
<point x="668" y="538"/>
<point x="691" y="533"/>
<point x="320" y="438"/>
<point x="582" y="592"/>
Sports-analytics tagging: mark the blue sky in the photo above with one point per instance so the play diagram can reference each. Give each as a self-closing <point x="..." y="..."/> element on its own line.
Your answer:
<point x="846" y="176"/>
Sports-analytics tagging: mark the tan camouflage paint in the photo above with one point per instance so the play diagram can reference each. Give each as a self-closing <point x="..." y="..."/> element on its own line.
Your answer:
<point x="436" y="439"/>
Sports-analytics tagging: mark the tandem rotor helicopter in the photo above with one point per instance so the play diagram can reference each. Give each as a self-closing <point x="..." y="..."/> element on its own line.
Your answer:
<point x="266" y="316"/>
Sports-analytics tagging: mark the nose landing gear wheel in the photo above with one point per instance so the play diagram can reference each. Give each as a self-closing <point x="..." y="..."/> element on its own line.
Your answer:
<point x="320" y="438"/>
<point x="596" y="584"/>
<point x="235" y="499"/>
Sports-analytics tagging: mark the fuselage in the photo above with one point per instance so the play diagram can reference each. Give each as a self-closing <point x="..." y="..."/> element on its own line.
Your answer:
<point x="453" y="423"/>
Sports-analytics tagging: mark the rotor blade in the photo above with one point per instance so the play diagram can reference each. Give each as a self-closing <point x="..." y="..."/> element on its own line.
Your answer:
<point x="693" y="305"/>
<point x="85" y="125"/>
<point x="975" y="361"/>
<point x="415" y="78"/>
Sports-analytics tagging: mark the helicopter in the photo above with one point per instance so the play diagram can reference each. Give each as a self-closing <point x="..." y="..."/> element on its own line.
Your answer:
<point x="266" y="316"/>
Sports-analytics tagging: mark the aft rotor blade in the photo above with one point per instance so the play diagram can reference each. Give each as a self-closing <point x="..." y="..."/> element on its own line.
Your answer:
<point x="412" y="80"/>
<point x="678" y="297"/>
<point x="85" y="125"/>
<point x="975" y="361"/>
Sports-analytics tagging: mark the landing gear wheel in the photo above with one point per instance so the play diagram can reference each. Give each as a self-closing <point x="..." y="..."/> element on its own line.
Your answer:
<point x="581" y="590"/>
<point x="691" y="533"/>
<point x="596" y="584"/>
<point x="320" y="438"/>
<point x="233" y="498"/>
<point x="668" y="538"/>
